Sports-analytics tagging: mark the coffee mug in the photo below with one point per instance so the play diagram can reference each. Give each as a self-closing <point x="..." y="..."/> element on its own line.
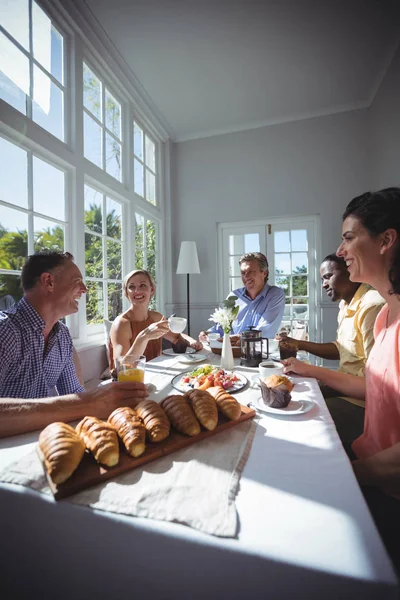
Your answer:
<point x="269" y="367"/>
<point x="177" y="324"/>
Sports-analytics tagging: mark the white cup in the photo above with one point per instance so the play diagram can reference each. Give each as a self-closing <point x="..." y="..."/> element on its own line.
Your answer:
<point x="270" y="367"/>
<point x="177" y="324"/>
<point x="213" y="337"/>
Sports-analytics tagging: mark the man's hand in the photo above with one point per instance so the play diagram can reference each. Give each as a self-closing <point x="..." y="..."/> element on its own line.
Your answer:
<point x="286" y="338"/>
<point x="106" y="398"/>
<point x="203" y="337"/>
<point x="297" y="367"/>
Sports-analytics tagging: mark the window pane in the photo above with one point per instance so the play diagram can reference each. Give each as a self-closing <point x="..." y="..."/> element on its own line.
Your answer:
<point x="138" y="177"/>
<point x="48" y="190"/>
<point x="10" y="290"/>
<point x="235" y="283"/>
<point x="150" y="154"/>
<point x="236" y="244"/>
<point x="234" y="267"/>
<point x="94" y="302"/>
<point x="151" y="247"/>
<point x="14" y="75"/>
<point x="299" y="240"/>
<point x="114" y="218"/>
<point x="284" y="283"/>
<point x="93" y="256"/>
<point x="251" y="242"/>
<point x="93" y="210"/>
<point x="47" y="43"/>
<point x="300" y="285"/>
<point x="14" y="17"/>
<point x="114" y="300"/>
<point x="91" y="92"/>
<point x="47" y="104"/>
<point x="139" y="259"/>
<point x="282" y="263"/>
<point x="47" y="235"/>
<point x="113" y="157"/>
<point x="13" y="238"/>
<point x="299" y="262"/>
<point x="282" y="241"/>
<point x="137" y="141"/>
<point x="92" y="141"/>
<point x="13" y="174"/>
<point x="300" y="311"/>
<point x="139" y="224"/>
<point x="114" y="259"/>
<point x="113" y="114"/>
<point x="150" y="187"/>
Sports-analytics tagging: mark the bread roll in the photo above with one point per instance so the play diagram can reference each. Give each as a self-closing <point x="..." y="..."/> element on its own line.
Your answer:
<point x="62" y="450"/>
<point x="205" y="408"/>
<point x="130" y="428"/>
<point x="155" y="420"/>
<point x="101" y="439"/>
<point x="181" y="415"/>
<point x="227" y="404"/>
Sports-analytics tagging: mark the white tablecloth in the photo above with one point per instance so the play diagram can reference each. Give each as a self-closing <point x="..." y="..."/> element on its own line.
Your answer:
<point x="305" y="530"/>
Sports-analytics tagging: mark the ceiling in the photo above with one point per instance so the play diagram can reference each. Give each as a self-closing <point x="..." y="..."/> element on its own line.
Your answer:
<point x="216" y="66"/>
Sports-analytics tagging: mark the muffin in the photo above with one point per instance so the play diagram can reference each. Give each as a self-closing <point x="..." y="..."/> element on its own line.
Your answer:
<point x="275" y="391"/>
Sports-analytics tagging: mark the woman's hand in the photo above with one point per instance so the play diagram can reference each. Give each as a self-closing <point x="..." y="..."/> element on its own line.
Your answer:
<point x="196" y="345"/>
<point x="155" y="330"/>
<point x="297" y="367"/>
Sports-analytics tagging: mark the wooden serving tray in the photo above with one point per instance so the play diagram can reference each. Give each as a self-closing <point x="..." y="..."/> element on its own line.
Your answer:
<point x="236" y="350"/>
<point x="90" y="473"/>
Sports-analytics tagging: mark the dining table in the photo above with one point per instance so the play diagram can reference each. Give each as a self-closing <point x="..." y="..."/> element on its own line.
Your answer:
<point x="303" y="527"/>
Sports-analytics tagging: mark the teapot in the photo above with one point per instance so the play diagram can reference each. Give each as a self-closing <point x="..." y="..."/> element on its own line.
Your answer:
<point x="251" y="344"/>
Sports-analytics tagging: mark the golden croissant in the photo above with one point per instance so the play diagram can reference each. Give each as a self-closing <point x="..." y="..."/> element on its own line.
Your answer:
<point x="101" y="439"/>
<point x="181" y="415"/>
<point x="130" y="429"/>
<point x="205" y="408"/>
<point x="62" y="450"/>
<point x="226" y="403"/>
<point x="155" y="420"/>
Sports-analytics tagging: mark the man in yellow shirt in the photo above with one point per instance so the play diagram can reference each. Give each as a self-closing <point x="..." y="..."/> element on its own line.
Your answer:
<point x="358" y="308"/>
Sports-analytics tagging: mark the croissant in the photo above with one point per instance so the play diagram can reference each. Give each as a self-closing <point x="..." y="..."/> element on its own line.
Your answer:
<point x="181" y="415"/>
<point x="155" y="420"/>
<point x="130" y="429"/>
<point x="226" y="403"/>
<point x="205" y="408"/>
<point x="62" y="450"/>
<point x="101" y="439"/>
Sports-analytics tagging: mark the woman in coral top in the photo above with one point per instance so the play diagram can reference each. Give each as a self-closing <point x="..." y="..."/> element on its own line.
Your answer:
<point x="139" y="330"/>
<point x="371" y="249"/>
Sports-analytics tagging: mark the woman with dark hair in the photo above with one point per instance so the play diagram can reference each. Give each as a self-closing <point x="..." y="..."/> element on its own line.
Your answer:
<point x="139" y="329"/>
<point x="371" y="249"/>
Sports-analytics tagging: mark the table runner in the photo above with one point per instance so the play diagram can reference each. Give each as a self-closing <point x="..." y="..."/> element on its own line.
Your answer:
<point x="195" y="486"/>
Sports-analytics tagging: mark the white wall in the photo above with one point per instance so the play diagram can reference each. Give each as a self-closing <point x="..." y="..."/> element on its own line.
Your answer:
<point x="307" y="167"/>
<point x="384" y="141"/>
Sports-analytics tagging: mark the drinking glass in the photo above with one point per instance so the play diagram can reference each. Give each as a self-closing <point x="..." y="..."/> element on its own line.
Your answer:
<point x="131" y="368"/>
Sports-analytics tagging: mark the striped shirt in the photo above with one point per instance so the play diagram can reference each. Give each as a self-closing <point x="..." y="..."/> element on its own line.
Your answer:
<point x="27" y="369"/>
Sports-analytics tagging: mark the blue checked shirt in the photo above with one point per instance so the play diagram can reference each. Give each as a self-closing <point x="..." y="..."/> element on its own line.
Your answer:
<point x="265" y="312"/>
<point x="26" y="370"/>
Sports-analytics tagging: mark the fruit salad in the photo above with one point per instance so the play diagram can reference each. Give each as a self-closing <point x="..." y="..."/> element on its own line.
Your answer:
<point x="207" y="376"/>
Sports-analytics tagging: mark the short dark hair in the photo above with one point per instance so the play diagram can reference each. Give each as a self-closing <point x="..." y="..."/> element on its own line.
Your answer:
<point x="377" y="212"/>
<point x="339" y="260"/>
<point x="44" y="261"/>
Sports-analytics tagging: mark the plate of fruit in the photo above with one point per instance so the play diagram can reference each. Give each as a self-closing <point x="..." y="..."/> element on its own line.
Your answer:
<point x="209" y="376"/>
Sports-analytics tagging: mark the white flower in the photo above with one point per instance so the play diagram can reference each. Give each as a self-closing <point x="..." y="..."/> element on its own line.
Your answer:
<point x="226" y="314"/>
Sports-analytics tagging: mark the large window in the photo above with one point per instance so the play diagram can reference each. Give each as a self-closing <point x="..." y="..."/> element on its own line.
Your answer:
<point x="32" y="64"/>
<point x="103" y="256"/>
<point x="145" y="247"/>
<point x="144" y="164"/>
<point x="32" y="211"/>
<point x="102" y="125"/>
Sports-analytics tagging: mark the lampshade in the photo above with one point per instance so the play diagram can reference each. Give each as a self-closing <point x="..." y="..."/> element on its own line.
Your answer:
<point x="188" y="261"/>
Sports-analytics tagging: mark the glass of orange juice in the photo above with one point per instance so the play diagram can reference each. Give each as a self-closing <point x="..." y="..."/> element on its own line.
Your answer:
<point x="131" y="368"/>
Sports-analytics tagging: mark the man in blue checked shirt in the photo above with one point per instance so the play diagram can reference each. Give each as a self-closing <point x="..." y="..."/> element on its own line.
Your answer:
<point x="260" y="305"/>
<point x="38" y="381"/>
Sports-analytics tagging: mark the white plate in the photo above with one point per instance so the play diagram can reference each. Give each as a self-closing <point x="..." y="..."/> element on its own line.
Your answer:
<point x="170" y="352"/>
<point x="185" y="387"/>
<point x="295" y="407"/>
<point x="192" y="358"/>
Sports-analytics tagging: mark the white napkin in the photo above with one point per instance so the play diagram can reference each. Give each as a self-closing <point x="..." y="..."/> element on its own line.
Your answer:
<point x="195" y="486"/>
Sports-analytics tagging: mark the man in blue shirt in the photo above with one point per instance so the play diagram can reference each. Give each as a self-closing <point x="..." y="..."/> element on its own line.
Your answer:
<point x="260" y="305"/>
<point x="38" y="381"/>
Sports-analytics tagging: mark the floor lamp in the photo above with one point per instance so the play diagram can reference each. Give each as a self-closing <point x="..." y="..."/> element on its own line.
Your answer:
<point x="188" y="263"/>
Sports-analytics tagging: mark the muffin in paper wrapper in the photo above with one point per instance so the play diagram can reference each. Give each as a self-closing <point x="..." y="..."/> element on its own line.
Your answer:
<point x="275" y="397"/>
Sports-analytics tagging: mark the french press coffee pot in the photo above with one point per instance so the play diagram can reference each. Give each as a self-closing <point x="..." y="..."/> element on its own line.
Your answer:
<point x="251" y="344"/>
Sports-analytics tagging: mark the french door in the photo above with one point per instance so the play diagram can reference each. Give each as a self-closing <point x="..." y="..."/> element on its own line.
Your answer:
<point x="290" y="246"/>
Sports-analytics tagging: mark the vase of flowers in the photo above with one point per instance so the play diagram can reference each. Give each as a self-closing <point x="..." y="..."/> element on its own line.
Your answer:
<point x="224" y="317"/>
